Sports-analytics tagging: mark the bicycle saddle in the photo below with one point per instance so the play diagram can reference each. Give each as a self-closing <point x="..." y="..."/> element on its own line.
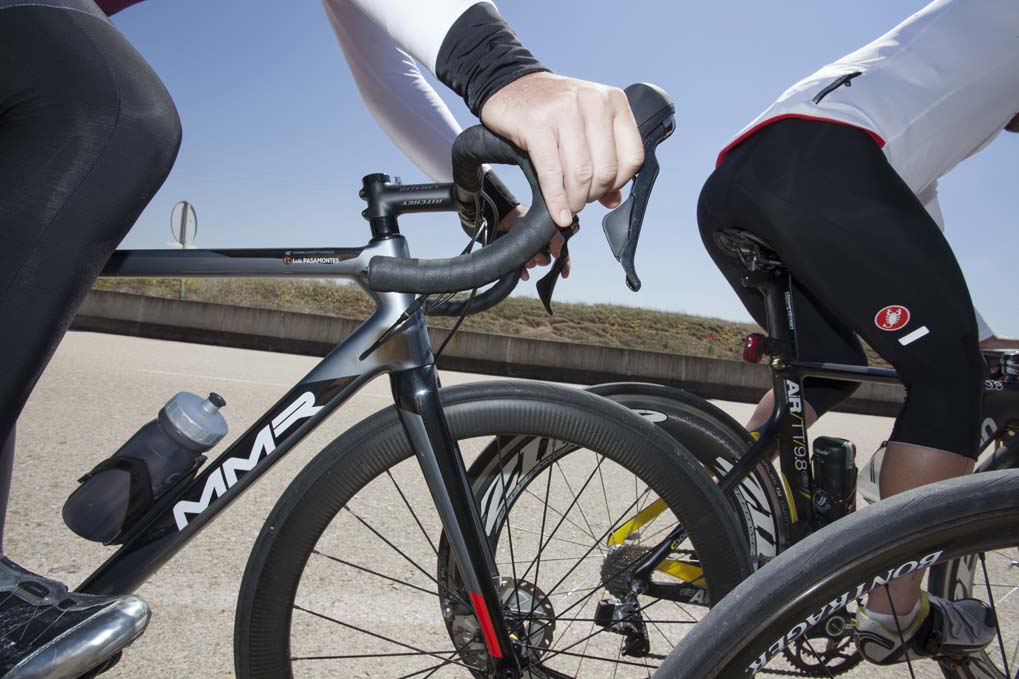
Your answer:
<point x="751" y="250"/>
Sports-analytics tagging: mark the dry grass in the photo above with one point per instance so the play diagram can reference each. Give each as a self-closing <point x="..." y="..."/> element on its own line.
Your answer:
<point x="601" y="324"/>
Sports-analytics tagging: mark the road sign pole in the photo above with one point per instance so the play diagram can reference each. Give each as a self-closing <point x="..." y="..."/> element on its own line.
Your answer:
<point x="184" y="227"/>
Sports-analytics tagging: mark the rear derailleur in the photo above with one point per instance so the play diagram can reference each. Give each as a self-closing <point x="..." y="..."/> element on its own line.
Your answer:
<point x="624" y="617"/>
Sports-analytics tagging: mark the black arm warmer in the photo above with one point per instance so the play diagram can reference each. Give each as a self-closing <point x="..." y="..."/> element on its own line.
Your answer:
<point x="481" y="54"/>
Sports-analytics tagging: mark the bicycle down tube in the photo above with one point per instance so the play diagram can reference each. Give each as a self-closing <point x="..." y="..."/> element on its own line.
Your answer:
<point x="374" y="348"/>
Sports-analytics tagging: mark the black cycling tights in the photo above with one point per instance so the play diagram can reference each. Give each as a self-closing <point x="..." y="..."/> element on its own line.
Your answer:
<point x="88" y="133"/>
<point x="867" y="259"/>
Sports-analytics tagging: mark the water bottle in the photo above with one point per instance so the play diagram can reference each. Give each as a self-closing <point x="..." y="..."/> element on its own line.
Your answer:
<point x="834" y="478"/>
<point x="121" y="488"/>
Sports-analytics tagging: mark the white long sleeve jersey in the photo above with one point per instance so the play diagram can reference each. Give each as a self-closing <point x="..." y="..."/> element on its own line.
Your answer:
<point x="934" y="90"/>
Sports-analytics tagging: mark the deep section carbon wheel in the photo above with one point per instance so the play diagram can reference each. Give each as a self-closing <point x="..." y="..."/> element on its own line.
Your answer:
<point x="963" y="532"/>
<point x="350" y="576"/>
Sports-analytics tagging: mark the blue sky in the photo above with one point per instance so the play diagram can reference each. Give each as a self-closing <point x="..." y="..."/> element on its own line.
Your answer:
<point x="276" y="138"/>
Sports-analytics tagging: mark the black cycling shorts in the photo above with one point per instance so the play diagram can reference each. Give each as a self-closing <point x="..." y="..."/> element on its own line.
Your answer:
<point x="88" y="133"/>
<point x="867" y="260"/>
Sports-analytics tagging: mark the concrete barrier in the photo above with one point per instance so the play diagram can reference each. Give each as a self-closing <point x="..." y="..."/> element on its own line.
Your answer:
<point x="476" y="352"/>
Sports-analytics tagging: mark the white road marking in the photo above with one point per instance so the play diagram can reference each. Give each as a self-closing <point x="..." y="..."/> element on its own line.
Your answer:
<point x="214" y="378"/>
<point x="922" y="331"/>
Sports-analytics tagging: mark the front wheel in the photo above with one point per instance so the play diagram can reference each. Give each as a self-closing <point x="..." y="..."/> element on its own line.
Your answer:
<point x="350" y="576"/>
<point x="803" y="601"/>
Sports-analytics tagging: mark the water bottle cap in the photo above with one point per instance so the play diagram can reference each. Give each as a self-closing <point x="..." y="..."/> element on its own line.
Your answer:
<point x="197" y="418"/>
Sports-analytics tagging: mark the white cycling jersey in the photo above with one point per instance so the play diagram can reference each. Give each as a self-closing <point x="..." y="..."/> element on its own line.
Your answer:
<point x="419" y="27"/>
<point x="933" y="91"/>
<point x="405" y="105"/>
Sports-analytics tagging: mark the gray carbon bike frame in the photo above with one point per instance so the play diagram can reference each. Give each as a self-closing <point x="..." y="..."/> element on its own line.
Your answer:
<point x="390" y="341"/>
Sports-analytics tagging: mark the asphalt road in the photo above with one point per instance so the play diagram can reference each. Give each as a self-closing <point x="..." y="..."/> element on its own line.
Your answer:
<point x="100" y="388"/>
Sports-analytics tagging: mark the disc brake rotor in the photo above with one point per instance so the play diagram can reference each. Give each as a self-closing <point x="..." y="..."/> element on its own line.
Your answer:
<point x="530" y="619"/>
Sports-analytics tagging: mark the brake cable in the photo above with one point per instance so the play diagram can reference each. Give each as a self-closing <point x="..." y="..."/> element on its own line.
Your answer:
<point x="480" y="227"/>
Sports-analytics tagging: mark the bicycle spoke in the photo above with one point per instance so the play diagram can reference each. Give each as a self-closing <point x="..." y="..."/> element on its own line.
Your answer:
<point x="561" y="558"/>
<point x="586" y="644"/>
<point x="509" y="529"/>
<point x="375" y="573"/>
<point x="603" y="630"/>
<point x="562" y="635"/>
<point x="541" y="547"/>
<point x="357" y="656"/>
<point x="654" y="537"/>
<point x="576" y="498"/>
<point x="682" y="608"/>
<point x="559" y="513"/>
<point x="375" y="635"/>
<point x="643" y="665"/>
<point x="664" y="636"/>
<point x="898" y="628"/>
<point x="380" y="536"/>
<point x="994" y="611"/>
<point x="412" y="512"/>
<point x="604" y="492"/>
<point x="608" y="532"/>
<point x="820" y="660"/>
<point x="541" y="536"/>
<point x="431" y="670"/>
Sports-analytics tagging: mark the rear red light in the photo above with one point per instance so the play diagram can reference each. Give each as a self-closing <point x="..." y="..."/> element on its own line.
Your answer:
<point x="753" y="348"/>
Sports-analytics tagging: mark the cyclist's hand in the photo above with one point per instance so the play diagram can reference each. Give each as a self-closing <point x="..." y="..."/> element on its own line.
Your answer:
<point x="581" y="137"/>
<point x="555" y="245"/>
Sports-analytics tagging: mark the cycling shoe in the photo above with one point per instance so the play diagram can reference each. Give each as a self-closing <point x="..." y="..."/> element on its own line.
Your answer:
<point x="942" y="628"/>
<point x="47" y="632"/>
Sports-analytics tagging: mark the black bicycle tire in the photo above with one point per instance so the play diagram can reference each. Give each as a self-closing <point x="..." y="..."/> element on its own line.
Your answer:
<point x="960" y="516"/>
<point x="945" y="577"/>
<point x="273" y="572"/>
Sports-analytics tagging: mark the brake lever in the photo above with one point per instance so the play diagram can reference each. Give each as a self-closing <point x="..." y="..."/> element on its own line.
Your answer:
<point x="546" y="286"/>
<point x="656" y="119"/>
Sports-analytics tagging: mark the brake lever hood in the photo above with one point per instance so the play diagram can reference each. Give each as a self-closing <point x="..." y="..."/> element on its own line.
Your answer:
<point x="655" y="115"/>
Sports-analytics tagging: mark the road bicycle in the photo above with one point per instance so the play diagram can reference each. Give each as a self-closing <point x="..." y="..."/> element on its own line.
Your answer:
<point x="363" y="570"/>
<point x="794" y="616"/>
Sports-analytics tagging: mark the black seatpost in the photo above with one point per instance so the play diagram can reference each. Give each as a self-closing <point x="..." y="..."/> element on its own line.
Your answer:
<point x="776" y="288"/>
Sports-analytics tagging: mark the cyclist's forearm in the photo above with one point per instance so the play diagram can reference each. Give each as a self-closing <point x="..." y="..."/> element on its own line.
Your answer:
<point x="465" y="43"/>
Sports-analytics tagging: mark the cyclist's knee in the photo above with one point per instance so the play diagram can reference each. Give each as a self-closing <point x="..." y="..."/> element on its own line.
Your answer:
<point x="942" y="408"/>
<point x="108" y="103"/>
<point x="149" y="123"/>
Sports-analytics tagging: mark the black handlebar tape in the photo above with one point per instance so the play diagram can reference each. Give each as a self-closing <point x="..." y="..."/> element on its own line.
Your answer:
<point x="473" y="148"/>
<point x="481" y="302"/>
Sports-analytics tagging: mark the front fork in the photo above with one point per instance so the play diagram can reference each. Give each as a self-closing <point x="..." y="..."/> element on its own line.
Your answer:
<point x="417" y="398"/>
